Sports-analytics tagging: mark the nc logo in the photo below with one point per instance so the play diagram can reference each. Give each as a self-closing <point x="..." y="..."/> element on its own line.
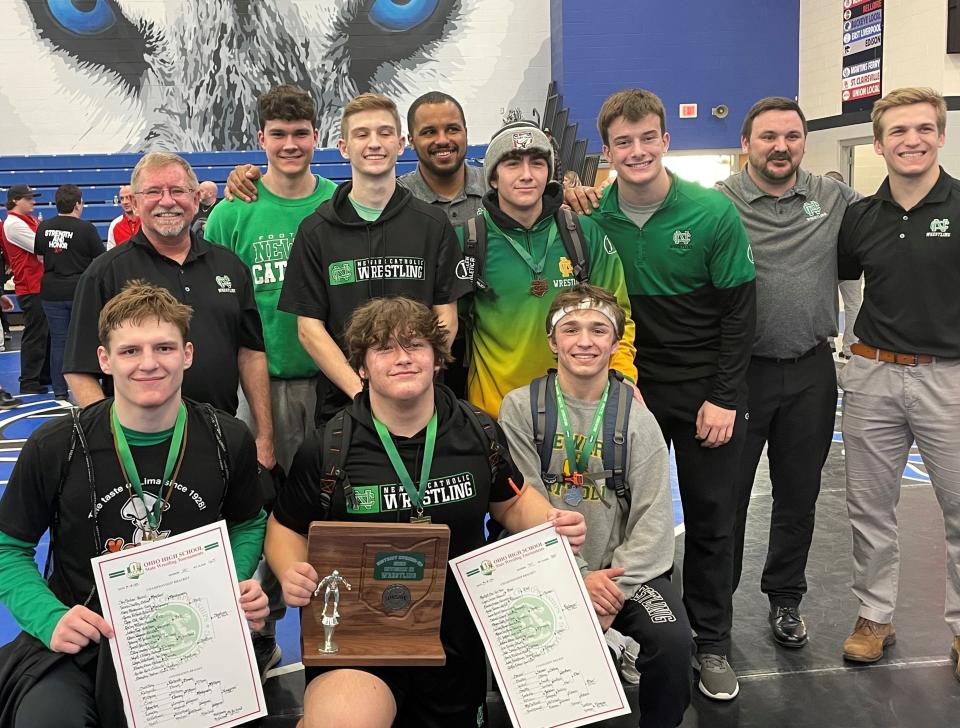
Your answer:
<point x="812" y="208"/>
<point x="939" y="226"/>
<point x="224" y="282"/>
<point x="682" y="238"/>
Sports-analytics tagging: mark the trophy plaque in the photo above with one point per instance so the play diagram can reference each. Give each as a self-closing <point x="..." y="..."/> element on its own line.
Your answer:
<point x="390" y="612"/>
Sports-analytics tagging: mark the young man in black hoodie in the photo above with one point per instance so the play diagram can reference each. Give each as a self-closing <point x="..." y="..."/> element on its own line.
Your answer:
<point x="397" y="346"/>
<point x="372" y="239"/>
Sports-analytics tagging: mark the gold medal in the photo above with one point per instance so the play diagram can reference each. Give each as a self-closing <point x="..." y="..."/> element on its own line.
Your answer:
<point x="420" y="519"/>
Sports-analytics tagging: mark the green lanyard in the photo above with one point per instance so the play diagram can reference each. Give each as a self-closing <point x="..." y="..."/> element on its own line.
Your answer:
<point x="129" y="467"/>
<point x="416" y="495"/>
<point x="537" y="268"/>
<point x="579" y="465"/>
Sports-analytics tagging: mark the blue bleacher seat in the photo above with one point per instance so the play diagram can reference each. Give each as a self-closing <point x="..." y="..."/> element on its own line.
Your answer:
<point x="99" y="176"/>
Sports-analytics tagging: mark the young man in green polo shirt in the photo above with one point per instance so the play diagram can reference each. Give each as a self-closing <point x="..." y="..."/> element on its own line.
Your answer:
<point x="261" y="233"/>
<point x="690" y="275"/>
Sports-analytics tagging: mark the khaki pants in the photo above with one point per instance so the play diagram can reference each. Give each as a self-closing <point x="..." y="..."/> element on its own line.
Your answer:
<point x="885" y="408"/>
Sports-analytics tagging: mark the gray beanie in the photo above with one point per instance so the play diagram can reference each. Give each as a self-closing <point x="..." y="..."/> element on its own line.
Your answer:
<point x="521" y="136"/>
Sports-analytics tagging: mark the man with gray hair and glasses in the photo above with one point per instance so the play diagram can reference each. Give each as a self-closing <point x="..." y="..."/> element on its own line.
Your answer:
<point x="228" y="338"/>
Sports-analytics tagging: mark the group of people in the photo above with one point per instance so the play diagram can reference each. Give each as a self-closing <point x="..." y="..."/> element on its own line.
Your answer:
<point x="691" y="318"/>
<point x="46" y="259"/>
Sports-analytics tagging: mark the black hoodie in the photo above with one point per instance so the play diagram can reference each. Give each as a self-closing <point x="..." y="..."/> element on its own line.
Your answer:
<point x="459" y="494"/>
<point x="339" y="261"/>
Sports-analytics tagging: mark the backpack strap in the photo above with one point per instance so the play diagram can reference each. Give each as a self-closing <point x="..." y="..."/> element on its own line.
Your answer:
<point x="484" y="427"/>
<point x="543" y="410"/>
<point x="223" y="456"/>
<point x="475" y="251"/>
<point x="571" y="233"/>
<point x="336" y="444"/>
<point x="616" y="417"/>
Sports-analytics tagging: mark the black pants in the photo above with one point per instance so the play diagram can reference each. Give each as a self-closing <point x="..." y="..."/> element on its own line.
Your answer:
<point x="792" y="410"/>
<point x="35" y="343"/>
<point x="654" y="616"/>
<point x="708" y="492"/>
<point x="62" y="698"/>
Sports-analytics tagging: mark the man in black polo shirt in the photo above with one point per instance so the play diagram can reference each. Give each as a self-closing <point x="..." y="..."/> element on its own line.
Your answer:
<point x="903" y="381"/>
<point x="213" y="280"/>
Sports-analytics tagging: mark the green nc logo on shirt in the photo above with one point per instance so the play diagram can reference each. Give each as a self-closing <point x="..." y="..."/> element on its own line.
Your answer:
<point x="342" y="272"/>
<point x="939" y="226"/>
<point x="812" y="208"/>
<point x="368" y="499"/>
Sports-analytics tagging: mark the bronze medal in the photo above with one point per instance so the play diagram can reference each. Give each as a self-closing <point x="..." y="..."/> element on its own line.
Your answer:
<point x="538" y="287"/>
<point x="420" y="519"/>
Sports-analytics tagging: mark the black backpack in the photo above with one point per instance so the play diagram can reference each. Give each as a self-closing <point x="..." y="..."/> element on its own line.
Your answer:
<point x="475" y="248"/>
<point x="616" y="417"/>
<point x="336" y="445"/>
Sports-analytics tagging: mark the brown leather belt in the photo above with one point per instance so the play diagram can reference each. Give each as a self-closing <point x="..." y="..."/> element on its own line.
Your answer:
<point x="890" y="357"/>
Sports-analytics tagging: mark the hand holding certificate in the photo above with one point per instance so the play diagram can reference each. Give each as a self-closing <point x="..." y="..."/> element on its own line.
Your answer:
<point x="182" y="649"/>
<point x="540" y="631"/>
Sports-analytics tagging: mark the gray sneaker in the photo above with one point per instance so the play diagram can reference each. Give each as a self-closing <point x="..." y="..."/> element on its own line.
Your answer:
<point x="717" y="679"/>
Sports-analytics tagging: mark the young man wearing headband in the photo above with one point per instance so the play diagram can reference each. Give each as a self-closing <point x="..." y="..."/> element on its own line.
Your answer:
<point x="628" y="553"/>
<point x="52" y="674"/>
<point x="409" y="440"/>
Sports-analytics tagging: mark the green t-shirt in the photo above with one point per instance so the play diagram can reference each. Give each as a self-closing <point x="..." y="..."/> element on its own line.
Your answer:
<point x="261" y="233"/>
<point x="367" y="214"/>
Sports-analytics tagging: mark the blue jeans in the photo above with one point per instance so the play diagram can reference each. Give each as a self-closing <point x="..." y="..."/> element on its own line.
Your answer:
<point x="58" y="320"/>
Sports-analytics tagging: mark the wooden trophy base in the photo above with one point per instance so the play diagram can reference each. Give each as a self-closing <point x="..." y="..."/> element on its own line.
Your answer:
<point x="391" y="614"/>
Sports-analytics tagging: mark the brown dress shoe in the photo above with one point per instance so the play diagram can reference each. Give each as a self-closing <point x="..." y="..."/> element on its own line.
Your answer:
<point x="868" y="640"/>
<point x="955" y="656"/>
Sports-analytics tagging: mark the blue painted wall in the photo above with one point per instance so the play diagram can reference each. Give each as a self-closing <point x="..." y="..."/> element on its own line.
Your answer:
<point x="707" y="52"/>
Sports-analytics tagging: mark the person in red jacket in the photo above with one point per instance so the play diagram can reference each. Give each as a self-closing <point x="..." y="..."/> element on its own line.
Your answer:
<point x="19" y="230"/>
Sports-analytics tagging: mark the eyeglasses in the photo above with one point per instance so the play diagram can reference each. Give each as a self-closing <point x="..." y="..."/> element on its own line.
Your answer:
<point x="155" y="193"/>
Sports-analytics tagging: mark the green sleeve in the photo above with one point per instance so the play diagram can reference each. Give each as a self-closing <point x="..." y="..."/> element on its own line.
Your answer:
<point x="246" y="542"/>
<point x="731" y="260"/>
<point x="215" y="231"/>
<point x="24" y="592"/>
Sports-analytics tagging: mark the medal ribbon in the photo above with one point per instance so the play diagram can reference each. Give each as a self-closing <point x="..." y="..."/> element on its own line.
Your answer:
<point x="129" y="467"/>
<point x="415" y="494"/>
<point x="537" y="268"/>
<point x="579" y="465"/>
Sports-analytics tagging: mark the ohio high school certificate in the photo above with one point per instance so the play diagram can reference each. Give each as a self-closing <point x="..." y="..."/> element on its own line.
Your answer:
<point x="540" y="631"/>
<point x="182" y="649"/>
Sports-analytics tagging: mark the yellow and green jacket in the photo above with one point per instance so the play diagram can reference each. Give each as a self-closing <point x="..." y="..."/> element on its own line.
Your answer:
<point x="507" y="330"/>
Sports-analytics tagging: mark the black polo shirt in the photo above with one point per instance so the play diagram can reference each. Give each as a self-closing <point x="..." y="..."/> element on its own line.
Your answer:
<point x="212" y="279"/>
<point x="910" y="260"/>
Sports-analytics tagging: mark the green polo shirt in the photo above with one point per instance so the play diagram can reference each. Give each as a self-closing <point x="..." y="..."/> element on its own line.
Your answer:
<point x="690" y="276"/>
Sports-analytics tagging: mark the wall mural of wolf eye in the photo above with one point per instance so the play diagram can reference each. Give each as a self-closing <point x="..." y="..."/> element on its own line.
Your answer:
<point x="131" y="75"/>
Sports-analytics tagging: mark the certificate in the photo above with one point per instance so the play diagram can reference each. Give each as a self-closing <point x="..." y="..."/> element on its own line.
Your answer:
<point x="182" y="649"/>
<point x="540" y="631"/>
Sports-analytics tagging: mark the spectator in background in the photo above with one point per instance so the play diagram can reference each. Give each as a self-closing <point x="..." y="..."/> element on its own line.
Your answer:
<point x="7" y="401"/>
<point x="125" y="225"/>
<point x="851" y="292"/>
<point x="18" y="240"/>
<point x="208" y="199"/>
<point x="67" y="246"/>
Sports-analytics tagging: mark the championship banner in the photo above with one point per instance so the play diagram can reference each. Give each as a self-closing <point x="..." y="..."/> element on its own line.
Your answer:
<point x="862" y="54"/>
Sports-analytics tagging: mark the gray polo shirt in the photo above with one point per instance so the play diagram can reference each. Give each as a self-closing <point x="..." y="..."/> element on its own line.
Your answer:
<point x="794" y="243"/>
<point x="461" y="207"/>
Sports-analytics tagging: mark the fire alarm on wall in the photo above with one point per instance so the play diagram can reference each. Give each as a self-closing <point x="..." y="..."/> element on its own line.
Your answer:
<point x="688" y="111"/>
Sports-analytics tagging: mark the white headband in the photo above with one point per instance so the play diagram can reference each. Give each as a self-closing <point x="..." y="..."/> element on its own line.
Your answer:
<point x="584" y="305"/>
